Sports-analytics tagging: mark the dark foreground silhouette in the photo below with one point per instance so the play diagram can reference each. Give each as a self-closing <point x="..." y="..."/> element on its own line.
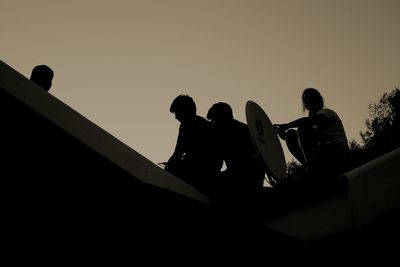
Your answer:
<point x="69" y="195"/>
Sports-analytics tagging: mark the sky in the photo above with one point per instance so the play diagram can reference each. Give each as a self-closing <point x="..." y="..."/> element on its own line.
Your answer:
<point x="120" y="63"/>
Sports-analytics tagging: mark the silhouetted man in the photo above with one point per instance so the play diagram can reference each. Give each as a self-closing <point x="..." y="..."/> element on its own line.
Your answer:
<point x="194" y="159"/>
<point x="42" y="75"/>
<point x="245" y="172"/>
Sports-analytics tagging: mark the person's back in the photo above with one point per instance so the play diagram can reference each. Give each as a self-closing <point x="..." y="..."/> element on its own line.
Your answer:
<point x="42" y="75"/>
<point x="238" y="150"/>
<point x="196" y="135"/>
<point x="334" y="132"/>
<point x="194" y="159"/>
<point x="244" y="172"/>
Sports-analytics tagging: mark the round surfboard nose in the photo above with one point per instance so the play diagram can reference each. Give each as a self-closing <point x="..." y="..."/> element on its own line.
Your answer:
<point x="266" y="141"/>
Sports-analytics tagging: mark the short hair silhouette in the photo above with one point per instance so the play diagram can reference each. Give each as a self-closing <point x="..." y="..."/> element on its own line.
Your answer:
<point x="183" y="104"/>
<point x="314" y="96"/>
<point x="220" y="112"/>
<point x="42" y="75"/>
<point x="195" y="159"/>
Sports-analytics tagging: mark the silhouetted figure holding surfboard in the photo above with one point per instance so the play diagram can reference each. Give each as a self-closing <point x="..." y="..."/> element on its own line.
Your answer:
<point x="319" y="142"/>
<point x="194" y="160"/>
<point x="244" y="174"/>
<point x="42" y="75"/>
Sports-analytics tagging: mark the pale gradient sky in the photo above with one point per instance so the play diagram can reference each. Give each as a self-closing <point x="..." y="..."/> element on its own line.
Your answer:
<point x="121" y="63"/>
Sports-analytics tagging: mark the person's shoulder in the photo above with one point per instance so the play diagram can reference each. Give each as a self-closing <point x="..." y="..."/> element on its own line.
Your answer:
<point x="239" y="124"/>
<point x="330" y="114"/>
<point x="199" y="120"/>
<point x="327" y="112"/>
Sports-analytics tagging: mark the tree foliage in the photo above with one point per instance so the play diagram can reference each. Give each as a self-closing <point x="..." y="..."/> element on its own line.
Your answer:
<point x="383" y="124"/>
<point x="354" y="146"/>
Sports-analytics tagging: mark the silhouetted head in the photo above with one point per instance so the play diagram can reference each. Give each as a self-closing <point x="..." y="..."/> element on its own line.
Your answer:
<point x="312" y="100"/>
<point x="42" y="75"/>
<point x="183" y="107"/>
<point x="220" y="114"/>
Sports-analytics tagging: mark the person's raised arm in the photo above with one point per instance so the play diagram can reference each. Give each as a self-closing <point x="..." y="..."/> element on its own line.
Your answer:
<point x="317" y="120"/>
